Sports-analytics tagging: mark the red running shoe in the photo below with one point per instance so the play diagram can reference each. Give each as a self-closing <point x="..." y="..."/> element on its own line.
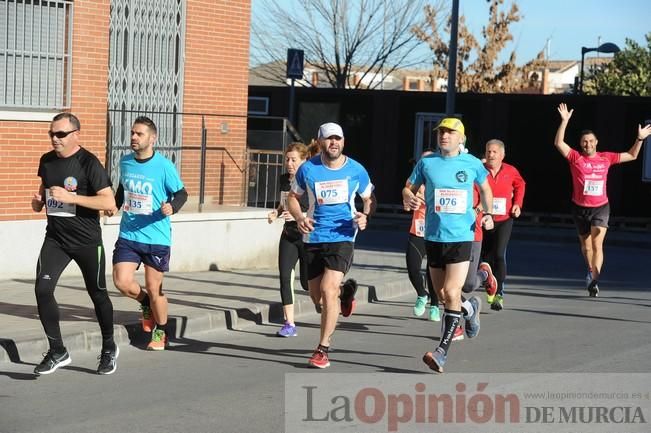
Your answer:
<point x="348" y="290"/>
<point x="491" y="281"/>
<point x="319" y="359"/>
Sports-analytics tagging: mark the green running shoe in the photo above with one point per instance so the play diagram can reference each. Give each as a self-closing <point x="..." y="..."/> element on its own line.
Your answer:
<point x="419" y="306"/>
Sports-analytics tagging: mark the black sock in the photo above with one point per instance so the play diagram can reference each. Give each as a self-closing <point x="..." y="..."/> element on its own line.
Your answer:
<point x="58" y="348"/>
<point x="452" y="320"/>
<point x="108" y="344"/>
<point x="143" y="298"/>
<point x="323" y="348"/>
<point x="162" y="327"/>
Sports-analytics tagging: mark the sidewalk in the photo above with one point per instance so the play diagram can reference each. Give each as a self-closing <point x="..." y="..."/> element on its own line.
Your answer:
<point x="198" y="302"/>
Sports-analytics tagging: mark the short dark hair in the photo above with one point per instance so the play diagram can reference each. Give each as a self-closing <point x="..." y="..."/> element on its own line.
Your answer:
<point x="74" y="121"/>
<point x="144" y="120"/>
<point x="588" y="131"/>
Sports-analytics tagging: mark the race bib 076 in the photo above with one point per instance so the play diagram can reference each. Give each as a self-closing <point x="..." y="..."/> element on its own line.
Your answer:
<point x="450" y="200"/>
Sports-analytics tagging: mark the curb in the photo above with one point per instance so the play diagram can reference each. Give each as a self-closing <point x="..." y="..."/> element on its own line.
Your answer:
<point x="180" y="327"/>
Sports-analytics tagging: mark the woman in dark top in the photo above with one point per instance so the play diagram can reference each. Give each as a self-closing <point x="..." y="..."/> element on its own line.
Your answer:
<point x="290" y="248"/>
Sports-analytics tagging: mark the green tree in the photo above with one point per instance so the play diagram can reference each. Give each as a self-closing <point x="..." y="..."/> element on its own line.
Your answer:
<point x="478" y="69"/>
<point x="628" y="74"/>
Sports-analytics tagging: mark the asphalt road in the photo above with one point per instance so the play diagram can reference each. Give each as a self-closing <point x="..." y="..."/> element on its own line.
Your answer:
<point x="233" y="381"/>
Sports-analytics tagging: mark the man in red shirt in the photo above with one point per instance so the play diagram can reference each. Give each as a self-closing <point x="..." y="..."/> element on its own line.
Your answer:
<point x="590" y="208"/>
<point x="508" y="193"/>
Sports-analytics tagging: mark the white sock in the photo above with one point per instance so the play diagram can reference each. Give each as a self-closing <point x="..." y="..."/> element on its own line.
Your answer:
<point x="468" y="308"/>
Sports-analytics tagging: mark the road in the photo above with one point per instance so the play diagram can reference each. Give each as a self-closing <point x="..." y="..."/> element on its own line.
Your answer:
<point x="233" y="381"/>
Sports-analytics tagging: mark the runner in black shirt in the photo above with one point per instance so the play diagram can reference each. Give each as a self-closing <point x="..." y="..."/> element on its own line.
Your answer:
<point x="74" y="187"/>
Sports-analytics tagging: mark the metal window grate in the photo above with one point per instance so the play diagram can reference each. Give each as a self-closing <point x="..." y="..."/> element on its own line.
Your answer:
<point x="146" y="55"/>
<point x="35" y="53"/>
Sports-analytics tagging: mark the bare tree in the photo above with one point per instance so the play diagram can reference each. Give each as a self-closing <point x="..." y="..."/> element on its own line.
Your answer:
<point x="352" y="43"/>
<point x="478" y="69"/>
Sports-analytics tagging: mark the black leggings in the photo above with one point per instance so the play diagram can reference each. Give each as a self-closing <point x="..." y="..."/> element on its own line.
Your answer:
<point x="415" y="255"/>
<point x="291" y="250"/>
<point x="494" y="250"/>
<point x="52" y="260"/>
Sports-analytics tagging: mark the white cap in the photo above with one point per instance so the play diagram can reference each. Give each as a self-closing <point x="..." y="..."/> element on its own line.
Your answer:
<point x="329" y="129"/>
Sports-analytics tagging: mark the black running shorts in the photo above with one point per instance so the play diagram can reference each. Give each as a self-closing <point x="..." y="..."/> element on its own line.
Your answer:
<point x="586" y="217"/>
<point x="337" y="256"/>
<point x="440" y="254"/>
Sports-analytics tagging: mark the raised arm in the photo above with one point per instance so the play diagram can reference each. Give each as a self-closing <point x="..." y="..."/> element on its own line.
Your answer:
<point x="633" y="152"/>
<point x="559" y="140"/>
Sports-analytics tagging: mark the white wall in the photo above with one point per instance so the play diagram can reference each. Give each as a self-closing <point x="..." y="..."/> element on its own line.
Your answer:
<point x="231" y="238"/>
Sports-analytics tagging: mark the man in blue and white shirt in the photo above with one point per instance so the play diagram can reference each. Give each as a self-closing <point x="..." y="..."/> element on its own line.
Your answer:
<point x="331" y="180"/>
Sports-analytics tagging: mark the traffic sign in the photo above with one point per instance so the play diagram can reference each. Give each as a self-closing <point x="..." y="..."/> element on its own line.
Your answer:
<point x="294" y="63"/>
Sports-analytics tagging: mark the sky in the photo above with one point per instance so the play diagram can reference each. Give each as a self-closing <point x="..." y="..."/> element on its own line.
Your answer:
<point x="567" y="24"/>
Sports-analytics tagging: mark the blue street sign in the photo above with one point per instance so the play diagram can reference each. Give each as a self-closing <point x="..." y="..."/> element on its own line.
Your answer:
<point x="294" y="63"/>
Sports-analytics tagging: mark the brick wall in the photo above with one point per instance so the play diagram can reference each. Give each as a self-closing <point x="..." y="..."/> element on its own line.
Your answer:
<point x="23" y="143"/>
<point x="216" y="82"/>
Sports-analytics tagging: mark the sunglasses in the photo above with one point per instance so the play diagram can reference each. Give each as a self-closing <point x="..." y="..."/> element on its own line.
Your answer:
<point x="60" y="134"/>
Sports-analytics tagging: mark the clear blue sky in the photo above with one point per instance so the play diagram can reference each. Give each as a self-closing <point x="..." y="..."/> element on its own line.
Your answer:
<point x="570" y="24"/>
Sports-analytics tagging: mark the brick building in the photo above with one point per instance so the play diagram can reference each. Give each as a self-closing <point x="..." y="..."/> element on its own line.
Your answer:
<point x="108" y="61"/>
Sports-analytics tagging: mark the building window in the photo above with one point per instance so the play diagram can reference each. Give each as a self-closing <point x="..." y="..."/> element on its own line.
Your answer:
<point x="35" y="54"/>
<point x="258" y="105"/>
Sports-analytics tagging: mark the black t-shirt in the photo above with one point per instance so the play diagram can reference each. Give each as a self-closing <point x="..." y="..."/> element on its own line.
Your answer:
<point x="291" y="228"/>
<point x="75" y="226"/>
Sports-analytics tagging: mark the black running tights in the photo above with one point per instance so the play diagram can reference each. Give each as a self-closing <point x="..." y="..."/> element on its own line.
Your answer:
<point x="52" y="260"/>
<point x="415" y="256"/>
<point x="289" y="252"/>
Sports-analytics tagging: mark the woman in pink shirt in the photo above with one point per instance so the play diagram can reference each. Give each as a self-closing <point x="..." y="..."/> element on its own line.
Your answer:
<point x="590" y="208"/>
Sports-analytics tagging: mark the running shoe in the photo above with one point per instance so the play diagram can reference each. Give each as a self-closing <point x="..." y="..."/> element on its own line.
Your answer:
<point x="158" y="340"/>
<point x="347" y="297"/>
<point x="319" y="359"/>
<point x="458" y="334"/>
<point x="147" y="318"/>
<point x="491" y="282"/>
<point x="288" y="330"/>
<point x="419" y="306"/>
<point x="51" y="361"/>
<point x="435" y="360"/>
<point x="472" y="322"/>
<point x="434" y="314"/>
<point x="593" y="289"/>
<point x="108" y="361"/>
<point x="498" y="303"/>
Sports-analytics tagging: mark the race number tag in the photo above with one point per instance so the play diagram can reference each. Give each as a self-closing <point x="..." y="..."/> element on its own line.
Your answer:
<point x="593" y="187"/>
<point x="450" y="200"/>
<point x="139" y="204"/>
<point x="499" y="206"/>
<point x="332" y="191"/>
<point x="419" y="224"/>
<point x="57" y="209"/>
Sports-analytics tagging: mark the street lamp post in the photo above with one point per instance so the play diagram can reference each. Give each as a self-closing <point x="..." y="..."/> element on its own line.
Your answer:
<point x="608" y="47"/>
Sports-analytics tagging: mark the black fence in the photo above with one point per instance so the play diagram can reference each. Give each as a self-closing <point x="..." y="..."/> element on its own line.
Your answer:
<point x="380" y="133"/>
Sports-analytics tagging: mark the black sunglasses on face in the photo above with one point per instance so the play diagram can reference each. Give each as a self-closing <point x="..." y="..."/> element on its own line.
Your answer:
<point x="60" y="134"/>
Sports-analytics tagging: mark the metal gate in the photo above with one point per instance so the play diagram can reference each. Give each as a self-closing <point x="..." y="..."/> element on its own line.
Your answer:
<point x="146" y="54"/>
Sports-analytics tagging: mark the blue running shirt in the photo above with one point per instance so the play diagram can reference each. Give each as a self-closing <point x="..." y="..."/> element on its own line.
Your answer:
<point x="448" y="194"/>
<point x="147" y="185"/>
<point x="331" y="197"/>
